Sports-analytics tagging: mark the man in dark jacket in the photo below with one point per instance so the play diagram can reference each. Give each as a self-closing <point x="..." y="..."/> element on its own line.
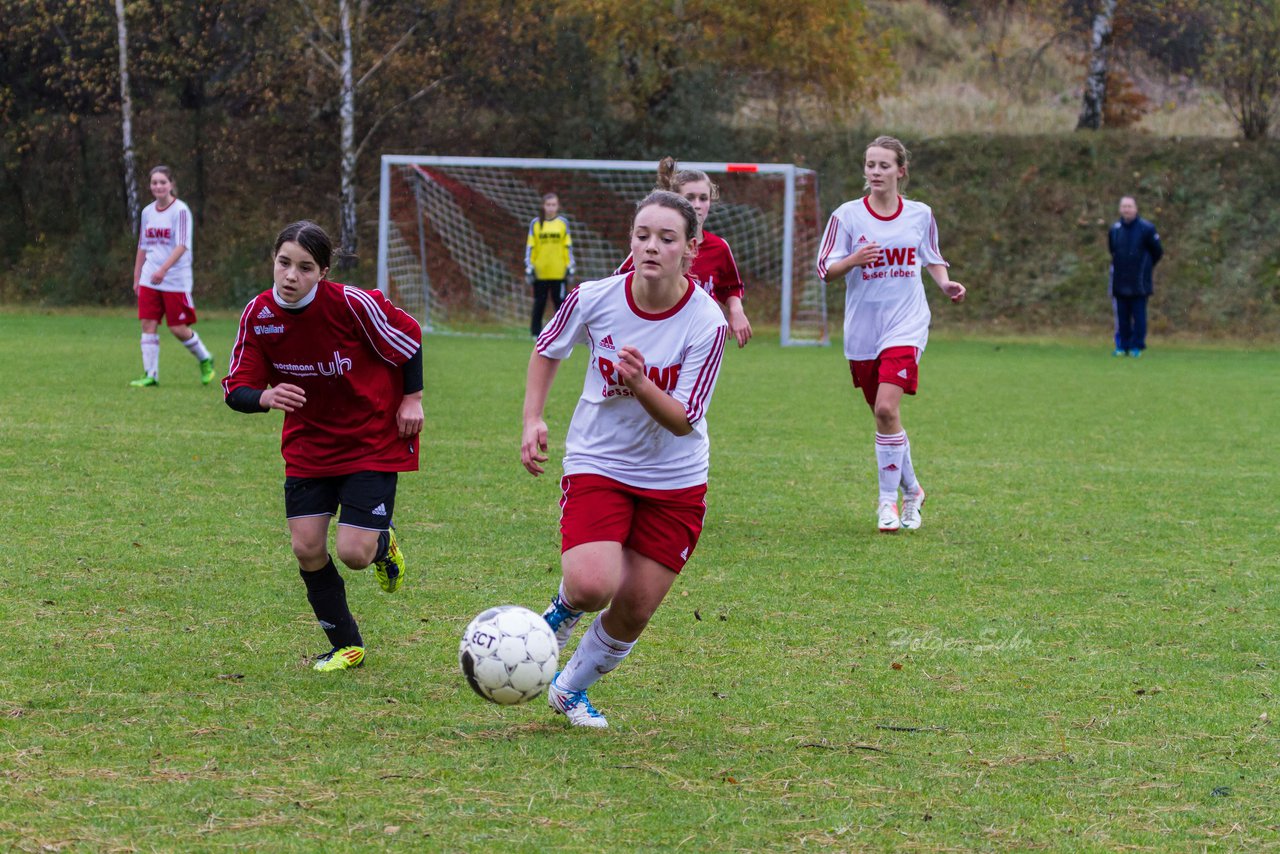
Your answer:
<point x="1135" y="251"/>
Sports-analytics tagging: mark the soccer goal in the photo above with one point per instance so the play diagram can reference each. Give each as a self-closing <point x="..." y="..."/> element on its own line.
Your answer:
<point x="451" y="234"/>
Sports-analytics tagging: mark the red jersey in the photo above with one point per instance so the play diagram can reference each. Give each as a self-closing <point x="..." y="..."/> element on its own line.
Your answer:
<point x="713" y="268"/>
<point x="345" y="349"/>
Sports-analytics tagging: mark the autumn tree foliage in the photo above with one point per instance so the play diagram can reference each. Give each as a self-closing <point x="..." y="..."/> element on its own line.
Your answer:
<point x="1244" y="61"/>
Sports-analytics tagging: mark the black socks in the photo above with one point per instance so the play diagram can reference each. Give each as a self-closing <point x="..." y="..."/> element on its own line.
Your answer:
<point x="327" y="594"/>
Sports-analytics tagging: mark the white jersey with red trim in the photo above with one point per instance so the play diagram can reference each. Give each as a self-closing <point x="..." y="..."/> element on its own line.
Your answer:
<point x="161" y="232"/>
<point x="884" y="302"/>
<point x="611" y="434"/>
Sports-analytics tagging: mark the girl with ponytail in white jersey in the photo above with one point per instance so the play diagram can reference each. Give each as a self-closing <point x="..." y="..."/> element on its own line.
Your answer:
<point x="636" y="453"/>
<point x="878" y="244"/>
<point x="714" y="268"/>
<point x="162" y="279"/>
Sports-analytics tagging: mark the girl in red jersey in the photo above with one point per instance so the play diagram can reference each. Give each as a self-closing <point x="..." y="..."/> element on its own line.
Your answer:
<point x="345" y="366"/>
<point x="636" y="453"/>
<point x="877" y="244"/>
<point x="713" y="268"/>
<point x="162" y="279"/>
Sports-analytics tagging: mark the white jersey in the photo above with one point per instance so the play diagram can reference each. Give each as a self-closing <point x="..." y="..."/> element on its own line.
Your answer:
<point x="884" y="303"/>
<point x="611" y="434"/>
<point x="161" y="232"/>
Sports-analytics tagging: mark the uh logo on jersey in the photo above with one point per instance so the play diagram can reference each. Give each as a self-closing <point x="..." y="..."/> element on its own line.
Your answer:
<point x="335" y="368"/>
<point x="664" y="378"/>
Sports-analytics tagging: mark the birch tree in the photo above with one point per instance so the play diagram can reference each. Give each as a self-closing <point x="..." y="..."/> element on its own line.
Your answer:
<point x="338" y="49"/>
<point x="1095" y="86"/>
<point x="126" y="120"/>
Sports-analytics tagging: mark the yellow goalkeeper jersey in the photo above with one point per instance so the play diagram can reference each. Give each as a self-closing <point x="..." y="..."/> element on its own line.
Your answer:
<point x="548" y="251"/>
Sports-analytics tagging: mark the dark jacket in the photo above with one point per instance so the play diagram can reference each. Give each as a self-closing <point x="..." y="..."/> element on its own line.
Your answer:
<point x="1135" y="250"/>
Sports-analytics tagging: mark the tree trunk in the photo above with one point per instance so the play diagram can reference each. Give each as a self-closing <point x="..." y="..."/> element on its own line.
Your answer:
<point x="126" y="122"/>
<point x="1095" y="86"/>
<point x="347" y="111"/>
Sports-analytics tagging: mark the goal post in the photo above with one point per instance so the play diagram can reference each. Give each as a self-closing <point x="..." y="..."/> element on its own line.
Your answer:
<point x="452" y="230"/>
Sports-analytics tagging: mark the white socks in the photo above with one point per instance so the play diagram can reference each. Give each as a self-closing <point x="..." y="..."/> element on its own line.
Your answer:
<point x="195" y="345"/>
<point x="151" y="354"/>
<point x="890" y="451"/>
<point x="909" y="483"/>
<point x="596" y="655"/>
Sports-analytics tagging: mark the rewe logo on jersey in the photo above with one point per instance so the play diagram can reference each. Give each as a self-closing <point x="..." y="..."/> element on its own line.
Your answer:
<point x="896" y="256"/>
<point x="265" y="314"/>
<point x="606" y="343"/>
<point x="664" y="378"/>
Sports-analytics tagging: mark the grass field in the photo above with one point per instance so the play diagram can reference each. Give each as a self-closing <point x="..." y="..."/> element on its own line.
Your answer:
<point x="1078" y="651"/>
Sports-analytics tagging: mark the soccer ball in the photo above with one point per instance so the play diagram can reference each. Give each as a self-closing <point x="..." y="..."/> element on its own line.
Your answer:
<point x="508" y="654"/>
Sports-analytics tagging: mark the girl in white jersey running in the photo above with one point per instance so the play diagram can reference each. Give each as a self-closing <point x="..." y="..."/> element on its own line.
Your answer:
<point x="877" y="244"/>
<point x="636" y="452"/>
<point x="162" y="279"/>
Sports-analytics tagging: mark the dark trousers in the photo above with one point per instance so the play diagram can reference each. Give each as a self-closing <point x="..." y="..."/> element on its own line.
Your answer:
<point x="1131" y="323"/>
<point x="542" y="287"/>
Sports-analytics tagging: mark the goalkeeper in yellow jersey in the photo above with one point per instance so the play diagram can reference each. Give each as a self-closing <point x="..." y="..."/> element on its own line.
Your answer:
<point x="548" y="258"/>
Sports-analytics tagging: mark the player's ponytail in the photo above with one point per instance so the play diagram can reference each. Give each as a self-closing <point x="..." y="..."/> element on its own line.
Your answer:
<point x="672" y="179"/>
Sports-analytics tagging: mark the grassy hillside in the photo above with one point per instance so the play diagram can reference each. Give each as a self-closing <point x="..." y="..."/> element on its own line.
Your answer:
<point x="1023" y="221"/>
<point x="1015" y="73"/>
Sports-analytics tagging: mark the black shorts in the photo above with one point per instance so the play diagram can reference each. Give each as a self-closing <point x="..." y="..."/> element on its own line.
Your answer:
<point x="368" y="498"/>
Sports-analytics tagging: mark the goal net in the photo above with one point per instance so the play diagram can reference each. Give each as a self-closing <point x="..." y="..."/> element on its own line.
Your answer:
<point x="451" y="234"/>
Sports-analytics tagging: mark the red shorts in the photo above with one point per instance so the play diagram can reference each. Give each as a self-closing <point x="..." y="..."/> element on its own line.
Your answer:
<point x="898" y="366"/>
<point x="662" y="524"/>
<point x="155" y="304"/>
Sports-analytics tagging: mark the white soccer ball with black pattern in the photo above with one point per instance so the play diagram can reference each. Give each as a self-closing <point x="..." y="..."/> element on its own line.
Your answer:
<point x="508" y="654"/>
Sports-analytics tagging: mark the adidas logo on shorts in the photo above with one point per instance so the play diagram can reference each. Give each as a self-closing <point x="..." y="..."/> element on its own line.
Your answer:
<point x="380" y="510"/>
<point x="265" y="314"/>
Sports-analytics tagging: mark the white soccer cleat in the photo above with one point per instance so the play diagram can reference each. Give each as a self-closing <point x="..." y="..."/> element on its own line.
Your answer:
<point x="911" y="505"/>
<point x="575" y="706"/>
<point x="888" y="517"/>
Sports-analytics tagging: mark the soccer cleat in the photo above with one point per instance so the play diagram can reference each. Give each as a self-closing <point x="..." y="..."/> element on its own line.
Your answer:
<point x="575" y="706"/>
<point x="145" y="381"/>
<point x="561" y="618"/>
<point x="888" y="517"/>
<point x="1117" y="352"/>
<point x="206" y="371"/>
<point x="340" y="658"/>
<point x="390" y="570"/>
<point x="911" y="505"/>
<point x="1137" y="354"/>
